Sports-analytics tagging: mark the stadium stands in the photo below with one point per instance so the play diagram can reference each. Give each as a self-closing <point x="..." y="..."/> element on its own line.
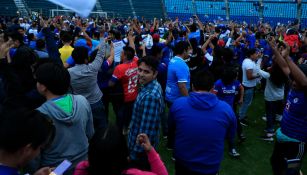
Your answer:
<point x="240" y="10"/>
<point x="40" y="6"/>
<point x="8" y="8"/>
<point x="148" y="10"/>
<point x="207" y="10"/>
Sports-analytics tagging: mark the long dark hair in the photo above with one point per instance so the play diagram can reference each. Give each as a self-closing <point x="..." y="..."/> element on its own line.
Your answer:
<point x="278" y="78"/>
<point x="107" y="152"/>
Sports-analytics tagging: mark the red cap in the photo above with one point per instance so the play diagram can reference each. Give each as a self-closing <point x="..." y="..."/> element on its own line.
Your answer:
<point x="156" y="37"/>
<point x="221" y="43"/>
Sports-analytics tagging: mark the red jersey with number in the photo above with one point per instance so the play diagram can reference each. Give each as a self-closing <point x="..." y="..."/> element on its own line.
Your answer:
<point x="127" y="74"/>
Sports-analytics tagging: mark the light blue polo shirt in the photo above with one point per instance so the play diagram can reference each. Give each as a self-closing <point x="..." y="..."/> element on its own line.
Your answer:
<point x="178" y="72"/>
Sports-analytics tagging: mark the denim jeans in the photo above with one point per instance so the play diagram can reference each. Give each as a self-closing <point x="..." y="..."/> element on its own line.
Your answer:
<point x="272" y="108"/>
<point x="164" y="119"/>
<point x="99" y="115"/>
<point x="247" y="101"/>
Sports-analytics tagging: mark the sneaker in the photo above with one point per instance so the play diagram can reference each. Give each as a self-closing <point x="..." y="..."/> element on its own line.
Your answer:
<point x="264" y="118"/>
<point x="169" y="148"/>
<point x="233" y="153"/>
<point x="278" y="118"/>
<point x="125" y="131"/>
<point x="242" y="138"/>
<point x="243" y="122"/>
<point x="164" y="137"/>
<point x="268" y="137"/>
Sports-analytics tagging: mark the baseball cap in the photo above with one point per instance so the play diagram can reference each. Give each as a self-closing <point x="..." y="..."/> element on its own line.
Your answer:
<point x="156" y="37"/>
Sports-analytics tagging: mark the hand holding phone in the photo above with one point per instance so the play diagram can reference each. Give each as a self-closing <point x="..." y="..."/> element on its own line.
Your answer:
<point x="59" y="170"/>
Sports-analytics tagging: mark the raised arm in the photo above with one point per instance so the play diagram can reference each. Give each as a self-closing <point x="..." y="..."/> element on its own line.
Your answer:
<point x="298" y="76"/>
<point x="131" y="39"/>
<point x="51" y="46"/>
<point x="156" y="164"/>
<point x="205" y="45"/>
<point x="278" y="57"/>
<point x="96" y="64"/>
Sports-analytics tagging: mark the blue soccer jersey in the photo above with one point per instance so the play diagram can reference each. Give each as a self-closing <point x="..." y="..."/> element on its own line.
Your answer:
<point x="227" y="93"/>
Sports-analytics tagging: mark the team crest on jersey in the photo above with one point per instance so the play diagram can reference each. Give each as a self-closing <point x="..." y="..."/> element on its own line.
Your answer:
<point x="287" y="106"/>
<point x="295" y="100"/>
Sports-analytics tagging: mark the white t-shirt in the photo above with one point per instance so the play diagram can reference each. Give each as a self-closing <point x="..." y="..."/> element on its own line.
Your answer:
<point x="33" y="30"/>
<point x="118" y="48"/>
<point x="272" y="92"/>
<point x="248" y="64"/>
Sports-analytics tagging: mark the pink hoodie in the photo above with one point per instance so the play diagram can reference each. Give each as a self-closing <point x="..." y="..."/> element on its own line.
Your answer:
<point x="156" y="164"/>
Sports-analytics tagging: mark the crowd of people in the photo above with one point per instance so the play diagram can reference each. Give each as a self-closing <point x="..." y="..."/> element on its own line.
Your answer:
<point x="188" y="82"/>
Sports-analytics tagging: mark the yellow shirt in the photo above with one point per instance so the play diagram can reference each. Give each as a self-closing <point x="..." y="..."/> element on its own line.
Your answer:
<point x="65" y="52"/>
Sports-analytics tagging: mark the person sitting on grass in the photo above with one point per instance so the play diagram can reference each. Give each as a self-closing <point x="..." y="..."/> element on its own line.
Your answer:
<point x="108" y="154"/>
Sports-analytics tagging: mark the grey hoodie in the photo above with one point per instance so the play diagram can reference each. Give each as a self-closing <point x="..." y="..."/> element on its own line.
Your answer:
<point x="72" y="132"/>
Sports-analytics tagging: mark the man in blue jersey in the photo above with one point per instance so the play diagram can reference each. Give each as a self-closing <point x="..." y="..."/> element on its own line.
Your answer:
<point x="291" y="137"/>
<point x="178" y="74"/>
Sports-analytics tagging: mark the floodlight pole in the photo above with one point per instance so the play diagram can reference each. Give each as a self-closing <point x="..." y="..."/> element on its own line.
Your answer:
<point x="194" y="7"/>
<point x="299" y="11"/>
<point x="227" y="10"/>
<point x="261" y="9"/>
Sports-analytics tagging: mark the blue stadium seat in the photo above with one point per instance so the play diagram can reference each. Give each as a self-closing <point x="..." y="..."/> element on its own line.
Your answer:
<point x="148" y="10"/>
<point x="8" y="8"/>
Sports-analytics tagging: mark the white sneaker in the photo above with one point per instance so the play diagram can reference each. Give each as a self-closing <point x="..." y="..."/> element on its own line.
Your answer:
<point x="233" y="153"/>
<point x="278" y="117"/>
<point x="264" y="118"/>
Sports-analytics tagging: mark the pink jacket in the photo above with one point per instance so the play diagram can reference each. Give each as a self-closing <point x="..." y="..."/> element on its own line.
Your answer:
<point x="156" y="164"/>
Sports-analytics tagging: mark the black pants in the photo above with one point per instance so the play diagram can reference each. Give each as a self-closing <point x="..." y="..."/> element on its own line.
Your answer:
<point x="124" y="115"/>
<point x="181" y="170"/>
<point x="284" y="154"/>
<point x="117" y="99"/>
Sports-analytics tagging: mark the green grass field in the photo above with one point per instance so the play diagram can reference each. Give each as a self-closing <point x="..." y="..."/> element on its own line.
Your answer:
<point x="255" y="153"/>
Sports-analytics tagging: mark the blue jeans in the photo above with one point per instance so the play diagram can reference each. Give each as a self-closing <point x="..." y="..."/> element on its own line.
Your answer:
<point x="99" y="115"/>
<point x="272" y="108"/>
<point x="247" y="101"/>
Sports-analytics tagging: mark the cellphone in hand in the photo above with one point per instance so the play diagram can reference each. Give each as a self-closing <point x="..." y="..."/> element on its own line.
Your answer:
<point x="60" y="169"/>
